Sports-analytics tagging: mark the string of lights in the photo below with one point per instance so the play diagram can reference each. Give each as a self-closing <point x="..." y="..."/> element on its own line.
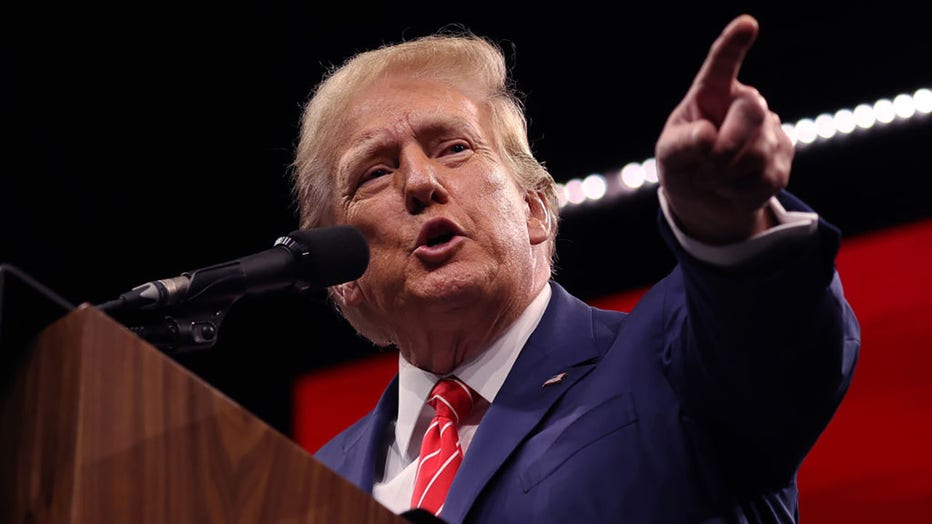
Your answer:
<point x="804" y="133"/>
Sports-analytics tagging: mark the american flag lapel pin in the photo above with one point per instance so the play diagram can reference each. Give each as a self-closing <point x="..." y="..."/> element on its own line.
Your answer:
<point x="556" y="379"/>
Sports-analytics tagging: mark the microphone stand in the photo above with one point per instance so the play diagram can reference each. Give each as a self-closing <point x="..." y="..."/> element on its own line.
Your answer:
<point x="184" y="313"/>
<point x="190" y="329"/>
<point x="194" y="323"/>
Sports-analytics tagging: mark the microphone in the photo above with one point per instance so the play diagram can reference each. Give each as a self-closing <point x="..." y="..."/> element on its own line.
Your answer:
<point x="304" y="259"/>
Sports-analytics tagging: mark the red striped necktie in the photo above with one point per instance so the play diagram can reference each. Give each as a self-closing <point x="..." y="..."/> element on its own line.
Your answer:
<point x="441" y="453"/>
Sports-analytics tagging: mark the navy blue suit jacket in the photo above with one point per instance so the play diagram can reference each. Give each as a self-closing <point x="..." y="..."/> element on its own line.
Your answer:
<point x="697" y="407"/>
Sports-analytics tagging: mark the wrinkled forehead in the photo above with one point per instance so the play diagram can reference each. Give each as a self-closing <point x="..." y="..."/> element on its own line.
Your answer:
<point x="402" y="99"/>
<point x="404" y="104"/>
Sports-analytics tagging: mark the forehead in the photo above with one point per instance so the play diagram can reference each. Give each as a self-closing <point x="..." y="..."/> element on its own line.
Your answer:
<point x="406" y="104"/>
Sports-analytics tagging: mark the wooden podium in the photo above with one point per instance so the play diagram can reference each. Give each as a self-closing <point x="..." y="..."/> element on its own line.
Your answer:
<point x="97" y="425"/>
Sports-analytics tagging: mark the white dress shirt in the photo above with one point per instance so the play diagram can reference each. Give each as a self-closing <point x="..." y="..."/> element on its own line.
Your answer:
<point x="486" y="373"/>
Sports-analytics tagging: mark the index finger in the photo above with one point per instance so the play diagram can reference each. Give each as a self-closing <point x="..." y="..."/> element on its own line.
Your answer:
<point x="721" y="66"/>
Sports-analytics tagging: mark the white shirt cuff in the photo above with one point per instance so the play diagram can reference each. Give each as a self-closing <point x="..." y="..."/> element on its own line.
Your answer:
<point x="791" y="226"/>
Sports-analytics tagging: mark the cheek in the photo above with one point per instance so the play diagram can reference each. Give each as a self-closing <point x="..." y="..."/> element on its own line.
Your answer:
<point x="506" y="224"/>
<point x="505" y="204"/>
<point x="388" y="251"/>
<point x="381" y="278"/>
<point x="376" y="216"/>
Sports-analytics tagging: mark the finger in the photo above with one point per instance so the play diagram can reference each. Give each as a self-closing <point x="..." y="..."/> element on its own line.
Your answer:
<point x="754" y="189"/>
<point x="719" y="71"/>
<point x="762" y="169"/>
<point x="681" y="146"/>
<point x="741" y="126"/>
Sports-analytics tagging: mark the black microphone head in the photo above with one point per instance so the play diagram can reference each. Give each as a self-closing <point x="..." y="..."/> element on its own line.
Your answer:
<point x="328" y="256"/>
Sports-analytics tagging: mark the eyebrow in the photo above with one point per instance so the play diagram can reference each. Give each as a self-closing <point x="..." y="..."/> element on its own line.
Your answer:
<point x="372" y="142"/>
<point x="365" y="147"/>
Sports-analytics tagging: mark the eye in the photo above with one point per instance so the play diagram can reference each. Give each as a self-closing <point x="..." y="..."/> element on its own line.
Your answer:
<point x="374" y="174"/>
<point x="456" y="148"/>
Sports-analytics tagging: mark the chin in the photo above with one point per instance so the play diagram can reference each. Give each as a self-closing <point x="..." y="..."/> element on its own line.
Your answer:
<point x="450" y="287"/>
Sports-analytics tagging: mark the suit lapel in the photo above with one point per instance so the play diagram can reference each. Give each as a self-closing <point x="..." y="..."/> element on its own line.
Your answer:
<point x="361" y="452"/>
<point x="559" y="352"/>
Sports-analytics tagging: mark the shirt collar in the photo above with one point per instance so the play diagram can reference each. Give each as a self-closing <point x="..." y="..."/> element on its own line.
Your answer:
<point x="485" y="374"/>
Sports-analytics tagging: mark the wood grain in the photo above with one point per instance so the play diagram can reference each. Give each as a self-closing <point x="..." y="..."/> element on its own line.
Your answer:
<point x="105" y="428"/>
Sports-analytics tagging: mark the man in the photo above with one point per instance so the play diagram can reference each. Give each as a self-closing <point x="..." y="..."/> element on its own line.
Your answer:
<point x="698" y="406"/>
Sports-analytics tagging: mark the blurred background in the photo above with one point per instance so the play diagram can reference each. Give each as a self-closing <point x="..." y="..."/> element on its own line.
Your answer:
<point x="141" y="141"/>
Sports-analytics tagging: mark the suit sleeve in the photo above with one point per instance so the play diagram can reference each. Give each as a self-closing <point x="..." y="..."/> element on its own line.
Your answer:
<point x="761" y="354"/>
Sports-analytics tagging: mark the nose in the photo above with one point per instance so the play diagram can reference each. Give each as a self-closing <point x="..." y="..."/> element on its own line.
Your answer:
<point x="422" y="188"/>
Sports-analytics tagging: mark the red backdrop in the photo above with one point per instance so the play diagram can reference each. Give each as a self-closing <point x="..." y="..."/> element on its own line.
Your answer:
<point x="872" y="464"/>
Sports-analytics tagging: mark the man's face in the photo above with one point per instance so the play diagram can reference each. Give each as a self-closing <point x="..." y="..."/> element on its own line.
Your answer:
<point x="419" y="173"/>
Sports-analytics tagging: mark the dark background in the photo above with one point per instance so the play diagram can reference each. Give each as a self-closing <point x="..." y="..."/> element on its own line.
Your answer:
<point x="142" y="141"/>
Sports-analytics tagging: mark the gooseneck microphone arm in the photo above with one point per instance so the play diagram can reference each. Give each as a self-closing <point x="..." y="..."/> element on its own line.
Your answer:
<point x="189" y="308"/>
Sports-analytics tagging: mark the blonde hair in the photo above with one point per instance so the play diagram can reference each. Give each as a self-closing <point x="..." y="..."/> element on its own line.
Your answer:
<point x="470" y="62"/>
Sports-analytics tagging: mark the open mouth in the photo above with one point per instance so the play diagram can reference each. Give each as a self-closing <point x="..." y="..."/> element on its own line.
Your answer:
<point x="436" y="232"/>
<point x="438" y="240"/>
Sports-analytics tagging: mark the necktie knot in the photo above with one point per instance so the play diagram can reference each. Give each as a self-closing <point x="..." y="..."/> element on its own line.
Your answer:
<point x="452" y="399"/>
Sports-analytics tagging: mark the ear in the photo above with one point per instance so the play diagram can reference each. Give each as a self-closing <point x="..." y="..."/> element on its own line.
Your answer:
<point x="347" y="294"/>
<point x="539" y="221"/>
